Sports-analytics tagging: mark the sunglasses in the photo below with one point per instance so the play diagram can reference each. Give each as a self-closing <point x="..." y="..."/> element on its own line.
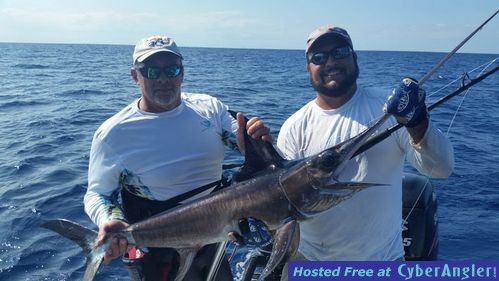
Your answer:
<point x="153" y="72"/>
<point x="322" y="57"/>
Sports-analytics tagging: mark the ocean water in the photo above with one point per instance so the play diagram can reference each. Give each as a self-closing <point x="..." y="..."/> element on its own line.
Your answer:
<point x="54" y="96"/>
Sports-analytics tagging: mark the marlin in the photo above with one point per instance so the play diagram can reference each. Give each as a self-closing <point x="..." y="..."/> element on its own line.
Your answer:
<point x="278" y="192"/>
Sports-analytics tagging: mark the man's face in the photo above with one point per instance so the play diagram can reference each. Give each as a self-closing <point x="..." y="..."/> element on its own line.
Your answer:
<point x="334" y="77"/>
<point x="163" y="93"/>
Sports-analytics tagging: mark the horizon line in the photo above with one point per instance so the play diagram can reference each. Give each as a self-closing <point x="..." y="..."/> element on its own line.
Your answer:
<point x="240" y="48"/>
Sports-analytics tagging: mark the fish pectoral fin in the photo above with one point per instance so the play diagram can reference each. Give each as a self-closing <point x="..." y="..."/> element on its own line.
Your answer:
<point x="285" y="245"/>
<point x="187" y="255"/>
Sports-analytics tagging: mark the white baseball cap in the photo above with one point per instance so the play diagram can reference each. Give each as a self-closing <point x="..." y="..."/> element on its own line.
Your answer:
<point x="147" y="47"/>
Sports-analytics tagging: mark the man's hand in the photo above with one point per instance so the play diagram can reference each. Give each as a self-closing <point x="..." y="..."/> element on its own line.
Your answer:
<point x="253" y="233"/>
<point x="407" y="103"/>
<point x="117" y="246"/>
<point x="255" y="129"/>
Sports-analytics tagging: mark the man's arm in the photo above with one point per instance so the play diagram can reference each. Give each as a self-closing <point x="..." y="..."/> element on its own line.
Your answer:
<point x="431" y="152"/>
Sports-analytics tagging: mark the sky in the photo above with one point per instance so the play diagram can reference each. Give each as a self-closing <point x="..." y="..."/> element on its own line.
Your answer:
<point x="391" y="25"/>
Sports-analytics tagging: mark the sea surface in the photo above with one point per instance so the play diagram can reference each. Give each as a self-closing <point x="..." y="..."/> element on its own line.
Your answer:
<point x="54" y="96"/>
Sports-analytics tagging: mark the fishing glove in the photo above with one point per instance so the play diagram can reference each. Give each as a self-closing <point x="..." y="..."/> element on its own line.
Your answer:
<point x="407" y="103"/>
<point x="254" y="233"/>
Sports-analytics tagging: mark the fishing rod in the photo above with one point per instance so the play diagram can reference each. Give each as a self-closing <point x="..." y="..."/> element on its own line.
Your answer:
<point x="427" y="76"/>
<point x="376" y="139"/>
<point x="381" y="136"/>
<point x="444" y="59"/>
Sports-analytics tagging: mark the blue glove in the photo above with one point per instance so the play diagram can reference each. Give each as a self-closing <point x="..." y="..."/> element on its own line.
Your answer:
<point x="407" y="103"/>
<point x="254" y="233"/>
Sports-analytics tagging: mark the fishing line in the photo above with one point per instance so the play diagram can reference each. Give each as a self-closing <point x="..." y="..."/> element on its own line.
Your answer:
<point x="462" y="78"/>
<point x="484" y="67"/>
<point x="376" y="139"/>
<point x="383" y="135"/>
<point x="460" y="104"/>
<point x="443" y="60"/>
<point x="385" y="116"/>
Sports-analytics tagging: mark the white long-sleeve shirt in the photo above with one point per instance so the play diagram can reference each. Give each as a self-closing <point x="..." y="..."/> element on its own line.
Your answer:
<point x="367" y="226"/>
<point x="160" y="154"/>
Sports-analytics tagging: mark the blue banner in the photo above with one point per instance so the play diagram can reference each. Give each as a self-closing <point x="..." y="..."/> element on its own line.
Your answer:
<point x="396" y="270"/>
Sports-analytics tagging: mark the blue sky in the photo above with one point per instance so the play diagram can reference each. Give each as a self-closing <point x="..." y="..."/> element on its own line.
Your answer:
<point x="423" y="25"/>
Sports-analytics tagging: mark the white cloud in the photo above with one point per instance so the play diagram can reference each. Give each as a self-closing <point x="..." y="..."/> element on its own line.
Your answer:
<point x="261" y="24"/>
<point x="44" y="24"/>
<point x="72" y="21"/>
<point x="213" y="20"/>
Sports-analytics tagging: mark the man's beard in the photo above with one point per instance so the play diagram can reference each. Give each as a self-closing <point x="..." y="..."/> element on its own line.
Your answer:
<point x="342" y="87"/>
<point x="168" y="98"/>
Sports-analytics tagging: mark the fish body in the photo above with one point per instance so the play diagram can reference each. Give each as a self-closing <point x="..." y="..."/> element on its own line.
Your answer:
<point x="277" y="192"/>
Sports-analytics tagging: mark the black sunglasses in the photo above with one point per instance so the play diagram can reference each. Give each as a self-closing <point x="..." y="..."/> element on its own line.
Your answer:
<point x="322" y="57"/>
<point x="153" y="72"/>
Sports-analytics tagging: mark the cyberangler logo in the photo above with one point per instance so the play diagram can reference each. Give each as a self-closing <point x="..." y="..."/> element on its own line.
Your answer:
<point x="158" y="41"/>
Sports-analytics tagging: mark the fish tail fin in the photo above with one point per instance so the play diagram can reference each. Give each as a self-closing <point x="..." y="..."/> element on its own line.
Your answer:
<point x="94" y="262"/>
<point x="82" y="236"/>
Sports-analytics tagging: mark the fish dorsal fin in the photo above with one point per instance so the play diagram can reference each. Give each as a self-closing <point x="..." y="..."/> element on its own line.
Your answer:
<point x="259" y="156"/>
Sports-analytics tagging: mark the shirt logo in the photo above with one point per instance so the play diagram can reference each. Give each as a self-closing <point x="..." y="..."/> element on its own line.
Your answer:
<point x="206" y="124"/>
